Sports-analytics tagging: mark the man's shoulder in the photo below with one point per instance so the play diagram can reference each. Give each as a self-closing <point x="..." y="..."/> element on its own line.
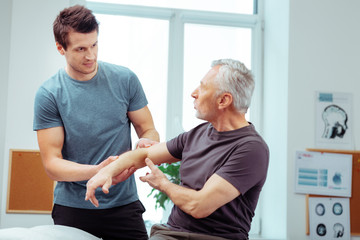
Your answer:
<point x="115" y="73"/>
<point x="106" y="66"/>
<point x="52" y="83"/>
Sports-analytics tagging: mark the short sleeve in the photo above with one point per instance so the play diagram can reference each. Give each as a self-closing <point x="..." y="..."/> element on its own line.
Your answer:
<point x="176" y="145"/>
<point x="247" y="167"/>
<point x="137" y="95"/>
<point x="46" y="114"/>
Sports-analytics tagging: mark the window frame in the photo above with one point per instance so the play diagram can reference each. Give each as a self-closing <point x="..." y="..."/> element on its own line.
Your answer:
<point x="177" y="19"/>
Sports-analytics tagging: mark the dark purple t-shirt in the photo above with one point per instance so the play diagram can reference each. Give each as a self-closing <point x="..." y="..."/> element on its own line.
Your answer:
<point x="240" y="156"/>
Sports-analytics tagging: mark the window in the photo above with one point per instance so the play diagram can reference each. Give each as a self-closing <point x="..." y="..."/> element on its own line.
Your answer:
<point x="229" y="6"/>
<point x="121" y="41"/>
<point x="202" y="44"/>
<point x="170" y="48"/>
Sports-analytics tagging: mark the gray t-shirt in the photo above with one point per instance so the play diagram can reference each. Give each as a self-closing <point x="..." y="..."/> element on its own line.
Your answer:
<point x="240" y="156"/>
<point x="94" y="116"/>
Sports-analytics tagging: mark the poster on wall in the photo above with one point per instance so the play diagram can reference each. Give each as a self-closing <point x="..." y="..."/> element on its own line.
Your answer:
<point x="329" y="218"/>
<point x="333" y="114"/>
<point x="323" y="173"/>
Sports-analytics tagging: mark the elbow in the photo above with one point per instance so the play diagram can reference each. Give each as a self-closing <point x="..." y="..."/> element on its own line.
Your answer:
<point x="197" y="215"/>
<point x="199" y="211"/>
<point x="50" y="172"/>
<point x="200" y="214"/>
<point x="51" y="175"/>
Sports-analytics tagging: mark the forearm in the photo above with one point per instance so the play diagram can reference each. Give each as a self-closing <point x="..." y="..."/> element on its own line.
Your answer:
<point x="63" y="170"/>
<point x="151" y="134"/>
<point x="188" y="200"/>
<point x="144" y="124"/>
<point x="51" y="143"/>
<point x="126" y="164"/>
<point x="136" y="159"/>
<point x="193" y="202"/>
<point x="127" y="160"/>
<point x="201" y="203"/>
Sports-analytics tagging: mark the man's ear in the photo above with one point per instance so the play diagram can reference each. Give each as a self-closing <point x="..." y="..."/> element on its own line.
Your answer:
<point x="225" y="100"/>
<point x="60" y="48"/>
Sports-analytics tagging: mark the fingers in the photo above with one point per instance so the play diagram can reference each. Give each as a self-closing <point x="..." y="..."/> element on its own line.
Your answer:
<point x="144" y="178"/>
<point x="107" y="185"/>
<point x="91" y="187"/>
<point x="123" y="175"/>
<point x="90" y="195"/>
<point x="145" y="143"/>
<point x="152" y="167"/>
<point x="94" y="201"/>
<point x="150" y="164"/>
<point x="131" y="172"/>
<point x="107" y="161"/>
<point x="104" y="181"/>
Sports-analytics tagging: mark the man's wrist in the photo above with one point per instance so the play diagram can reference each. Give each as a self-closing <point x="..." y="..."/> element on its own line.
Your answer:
<point x="165" y="185"/>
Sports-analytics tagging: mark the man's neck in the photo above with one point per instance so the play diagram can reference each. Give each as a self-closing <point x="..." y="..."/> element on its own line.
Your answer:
<point x="80" y="76"/>
<point x="229" y="122"/>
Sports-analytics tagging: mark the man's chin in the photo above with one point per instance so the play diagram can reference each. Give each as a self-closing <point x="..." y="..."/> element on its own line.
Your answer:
<point x="199" y="116"/>
<point x="89" y="71"/>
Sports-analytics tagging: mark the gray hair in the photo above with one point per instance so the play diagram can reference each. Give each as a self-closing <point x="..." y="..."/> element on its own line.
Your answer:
<point x="236" y="79"/>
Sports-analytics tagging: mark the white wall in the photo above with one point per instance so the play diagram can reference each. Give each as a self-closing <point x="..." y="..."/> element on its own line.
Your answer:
<point x="33" y="58"/>
<point x="5" y="23"/>
<point x="308" y="46"/>
<point x="324" y="52"/>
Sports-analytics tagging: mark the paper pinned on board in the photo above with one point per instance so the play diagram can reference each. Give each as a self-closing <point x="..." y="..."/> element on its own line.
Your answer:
<point x="323" y="173"/>
<point x="329" y="218"/>
<point x="334" y="121"/>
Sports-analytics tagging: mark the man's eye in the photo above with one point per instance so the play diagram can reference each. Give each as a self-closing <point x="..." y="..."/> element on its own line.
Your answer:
<point x="80" y="49"/>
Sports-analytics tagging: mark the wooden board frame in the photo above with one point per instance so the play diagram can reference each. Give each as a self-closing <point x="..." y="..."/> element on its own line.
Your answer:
<point x="355" y="191"/>
<point x="29" y="189"/>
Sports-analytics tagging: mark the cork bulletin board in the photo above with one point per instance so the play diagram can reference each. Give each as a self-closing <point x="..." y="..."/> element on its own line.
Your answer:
<point x="30" y="190"/>
<point x="355" y="191"/>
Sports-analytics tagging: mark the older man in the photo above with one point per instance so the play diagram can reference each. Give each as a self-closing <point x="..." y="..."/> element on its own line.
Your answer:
<point x="224" y="162"/>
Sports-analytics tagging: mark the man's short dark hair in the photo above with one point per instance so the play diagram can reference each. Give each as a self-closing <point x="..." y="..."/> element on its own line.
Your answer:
<point x="76" y="18"/>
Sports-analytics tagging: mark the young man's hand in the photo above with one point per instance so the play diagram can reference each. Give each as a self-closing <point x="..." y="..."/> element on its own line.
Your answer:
<point x="145" y="143"/>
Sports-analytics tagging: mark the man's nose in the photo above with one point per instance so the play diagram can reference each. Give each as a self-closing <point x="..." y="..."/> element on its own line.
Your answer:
<point x="194" y="94"/>
<point x="90" y="54"/>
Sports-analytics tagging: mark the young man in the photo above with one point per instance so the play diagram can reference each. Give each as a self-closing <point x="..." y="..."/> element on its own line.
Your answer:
<point x="82" y="118"/>
<point x="224" y="162"/>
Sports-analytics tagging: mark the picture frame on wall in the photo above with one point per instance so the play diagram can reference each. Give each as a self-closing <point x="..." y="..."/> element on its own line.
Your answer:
<point x="334" y="121"/>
